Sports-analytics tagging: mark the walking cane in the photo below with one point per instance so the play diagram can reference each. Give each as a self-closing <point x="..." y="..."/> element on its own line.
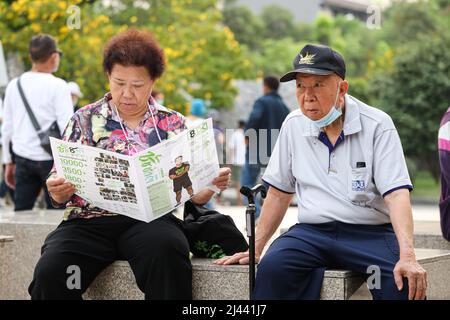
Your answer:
<point x="250" y="223"/>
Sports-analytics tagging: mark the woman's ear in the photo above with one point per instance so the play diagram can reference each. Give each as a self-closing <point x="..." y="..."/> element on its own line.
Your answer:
<point x="152" y="84"/>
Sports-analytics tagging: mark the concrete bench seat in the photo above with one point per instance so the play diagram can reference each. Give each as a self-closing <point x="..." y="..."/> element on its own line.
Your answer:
<point x="29" y="229"/>
<point x="210" y="282"/>
<point x="117" y="281"/>
<point x="213" y="282"/>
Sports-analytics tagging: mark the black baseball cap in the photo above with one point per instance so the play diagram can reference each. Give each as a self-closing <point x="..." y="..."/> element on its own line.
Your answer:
<point x="42" y="46"/>
<point x="316" y="59"/>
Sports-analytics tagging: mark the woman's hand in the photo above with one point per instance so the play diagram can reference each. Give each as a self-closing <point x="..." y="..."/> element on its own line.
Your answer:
<point x="59" y="189"/>
<point x="222" y="181"/>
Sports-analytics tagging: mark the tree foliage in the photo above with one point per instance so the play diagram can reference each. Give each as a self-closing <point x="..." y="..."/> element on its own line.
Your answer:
<point x="415" y="91"/>
<point x="203" y="55"/>
<point x="401" y="67"/>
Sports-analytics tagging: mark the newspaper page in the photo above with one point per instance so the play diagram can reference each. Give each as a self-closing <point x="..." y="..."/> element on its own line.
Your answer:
<point x="148" y="184"/>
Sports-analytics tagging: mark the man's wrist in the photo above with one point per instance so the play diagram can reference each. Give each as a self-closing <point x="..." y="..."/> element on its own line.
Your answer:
<point x="407" y="254"/>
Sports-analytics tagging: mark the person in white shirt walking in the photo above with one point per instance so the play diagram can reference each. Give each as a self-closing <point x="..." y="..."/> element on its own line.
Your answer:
<point x="49" y="99"/>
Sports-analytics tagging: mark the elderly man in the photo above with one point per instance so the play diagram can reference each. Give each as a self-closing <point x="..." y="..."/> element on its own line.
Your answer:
<point x="344" y="161"/>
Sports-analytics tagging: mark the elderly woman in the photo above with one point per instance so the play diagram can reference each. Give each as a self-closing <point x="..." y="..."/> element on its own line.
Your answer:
<point x="126" y="120"/>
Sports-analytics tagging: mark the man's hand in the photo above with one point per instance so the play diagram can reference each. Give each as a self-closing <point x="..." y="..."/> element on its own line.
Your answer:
<point x="272" y="213"/>
<point x="60" y="190"/>
<point x="237" y="258"/>
<point x="222" y="181"/>
<point x="400" y="210"/>
<point x="416" y="275"/>
<point x="10" y="171"/>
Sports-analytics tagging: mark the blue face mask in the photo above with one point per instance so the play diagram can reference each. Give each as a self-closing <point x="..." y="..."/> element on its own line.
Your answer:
<point x="334" y="113"/>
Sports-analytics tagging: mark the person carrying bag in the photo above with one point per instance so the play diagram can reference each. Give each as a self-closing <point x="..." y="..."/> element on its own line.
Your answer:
<point x="37" y="106"/>
<point x="44" y="136"/>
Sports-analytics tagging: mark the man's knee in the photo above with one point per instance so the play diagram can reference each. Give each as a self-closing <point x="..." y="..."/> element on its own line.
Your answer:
<point x="388" y="290"/>
<point x="271" y="266"/>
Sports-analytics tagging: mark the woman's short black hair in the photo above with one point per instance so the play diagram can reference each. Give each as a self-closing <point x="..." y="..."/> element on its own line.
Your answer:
<point x="135" y="48"/>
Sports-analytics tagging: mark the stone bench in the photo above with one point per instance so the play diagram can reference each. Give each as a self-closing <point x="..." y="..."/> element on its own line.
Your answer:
<point x="117" y="281"/>
<point x="213" y="282"/>
<point x="210" y="281"/>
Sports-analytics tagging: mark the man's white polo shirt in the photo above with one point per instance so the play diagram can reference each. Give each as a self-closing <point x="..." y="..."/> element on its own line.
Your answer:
<point x="346" y="182"/>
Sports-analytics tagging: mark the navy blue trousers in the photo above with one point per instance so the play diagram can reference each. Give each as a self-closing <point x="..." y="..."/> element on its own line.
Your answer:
<point x="294" y="265"/>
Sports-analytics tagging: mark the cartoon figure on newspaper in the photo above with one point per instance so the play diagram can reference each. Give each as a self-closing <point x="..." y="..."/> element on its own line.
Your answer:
<point x="148" y="184"/>
<point x="180" y="176"/>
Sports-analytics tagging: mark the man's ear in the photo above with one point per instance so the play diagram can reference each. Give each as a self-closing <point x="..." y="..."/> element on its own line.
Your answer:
<point x="343" y="89"/>
<point x="344" y="86"/>
<point x="53" y="56"/>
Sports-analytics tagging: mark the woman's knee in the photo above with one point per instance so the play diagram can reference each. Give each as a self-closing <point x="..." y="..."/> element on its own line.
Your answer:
<point x="49" y="279"/>
<point x="172" y="242"/>
<point x="172" y="247"/>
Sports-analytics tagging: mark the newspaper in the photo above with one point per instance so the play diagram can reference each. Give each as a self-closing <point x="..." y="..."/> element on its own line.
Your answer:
<point x="148" y="184"/>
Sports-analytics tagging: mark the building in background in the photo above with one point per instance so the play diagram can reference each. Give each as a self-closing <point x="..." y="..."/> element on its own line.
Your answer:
<point x="351" y="8"/>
